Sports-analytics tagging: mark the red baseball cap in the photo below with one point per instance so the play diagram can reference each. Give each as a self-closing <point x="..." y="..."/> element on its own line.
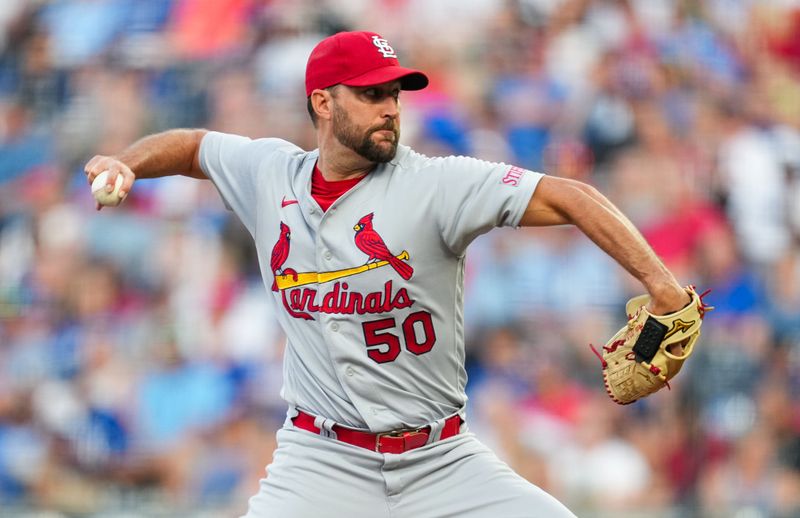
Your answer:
<point x="358" y="59"/>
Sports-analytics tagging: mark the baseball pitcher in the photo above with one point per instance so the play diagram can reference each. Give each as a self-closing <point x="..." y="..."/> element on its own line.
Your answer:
<point x="361" y="245"/>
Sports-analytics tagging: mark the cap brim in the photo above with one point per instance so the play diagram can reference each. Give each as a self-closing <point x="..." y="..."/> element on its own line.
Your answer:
<point x="409" y="79"/>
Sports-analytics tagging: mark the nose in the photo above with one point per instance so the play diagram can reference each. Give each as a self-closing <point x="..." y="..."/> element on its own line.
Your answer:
<point x="390" y="108"/>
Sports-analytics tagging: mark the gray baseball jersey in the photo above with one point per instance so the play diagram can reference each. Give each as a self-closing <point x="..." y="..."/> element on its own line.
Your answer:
<point x="368" y="293"/>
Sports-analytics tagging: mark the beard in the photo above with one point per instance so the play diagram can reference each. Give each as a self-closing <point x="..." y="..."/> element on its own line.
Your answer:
<point x="349" y="135"/>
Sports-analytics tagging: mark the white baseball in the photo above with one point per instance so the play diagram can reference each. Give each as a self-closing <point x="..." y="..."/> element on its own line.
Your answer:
<point x="103" y="197"/>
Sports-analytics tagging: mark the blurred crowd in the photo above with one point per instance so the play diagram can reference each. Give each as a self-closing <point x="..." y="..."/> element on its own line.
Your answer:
<point x="140" y="367"/>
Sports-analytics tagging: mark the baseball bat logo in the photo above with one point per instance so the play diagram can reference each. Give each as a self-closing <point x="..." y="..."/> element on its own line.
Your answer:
<point x="293" y="280"/>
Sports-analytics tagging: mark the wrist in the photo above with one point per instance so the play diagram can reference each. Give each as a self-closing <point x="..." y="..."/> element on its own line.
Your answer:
<point x="128" y="161"/>
<point x="664" y="288"/>
<point x="667" y="297"/>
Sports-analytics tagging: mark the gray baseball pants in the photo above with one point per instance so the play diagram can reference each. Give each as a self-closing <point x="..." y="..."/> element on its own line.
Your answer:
<point x="313" y="476"/>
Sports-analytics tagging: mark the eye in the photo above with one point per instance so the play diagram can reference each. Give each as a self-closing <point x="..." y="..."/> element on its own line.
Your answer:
<point x="377" y="94"/>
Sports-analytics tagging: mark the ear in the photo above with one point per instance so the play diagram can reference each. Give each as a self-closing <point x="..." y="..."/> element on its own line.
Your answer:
<point x="321" y="102"/>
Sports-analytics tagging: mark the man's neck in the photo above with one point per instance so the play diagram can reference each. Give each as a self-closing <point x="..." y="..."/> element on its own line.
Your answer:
<point x="338" y="162"/>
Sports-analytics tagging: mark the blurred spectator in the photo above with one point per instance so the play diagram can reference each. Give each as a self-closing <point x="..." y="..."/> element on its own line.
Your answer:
<point x="752" y="480"/>
<point x="179" y="396"/>
<point x="208" y="28"/>
<point x="24" y="147"/>
<point x="612" y="474"/>
<point x="82" y="30"/>
<point x="784" y="302"/>
<point x="755" y="201"/>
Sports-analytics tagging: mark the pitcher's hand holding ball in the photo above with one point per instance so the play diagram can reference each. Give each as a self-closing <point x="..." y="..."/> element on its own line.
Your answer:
<point x="111" y="180"/>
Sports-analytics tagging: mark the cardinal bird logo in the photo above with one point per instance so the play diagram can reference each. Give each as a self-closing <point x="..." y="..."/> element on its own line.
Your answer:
<point x="370" y="242"/>
<point x="280" y="252"/>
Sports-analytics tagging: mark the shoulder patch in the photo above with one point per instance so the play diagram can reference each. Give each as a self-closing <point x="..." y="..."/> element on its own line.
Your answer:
<point x="513" y="176"/>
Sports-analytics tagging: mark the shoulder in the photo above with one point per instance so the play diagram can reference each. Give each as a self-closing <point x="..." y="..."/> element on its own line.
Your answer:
<point x="267" y="144"/>
<point x="225" y="149"/>
<point x="409" y="160"/>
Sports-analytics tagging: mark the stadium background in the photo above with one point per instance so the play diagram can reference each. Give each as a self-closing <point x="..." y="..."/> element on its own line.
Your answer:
<point x="140" y="368"/>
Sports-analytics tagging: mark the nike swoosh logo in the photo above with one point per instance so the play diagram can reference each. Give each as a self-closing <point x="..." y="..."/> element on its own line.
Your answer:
<point x="286" y="203"/>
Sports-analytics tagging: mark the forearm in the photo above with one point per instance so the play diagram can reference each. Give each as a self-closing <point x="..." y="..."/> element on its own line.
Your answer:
<point x="164" y="154"/>
<point x="612" y="231"/>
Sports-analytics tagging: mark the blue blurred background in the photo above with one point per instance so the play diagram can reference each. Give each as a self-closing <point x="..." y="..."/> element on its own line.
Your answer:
<point x="140" y="368"/>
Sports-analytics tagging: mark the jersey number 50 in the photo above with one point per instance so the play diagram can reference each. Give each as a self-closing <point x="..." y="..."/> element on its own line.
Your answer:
<point x="384" y="346"/>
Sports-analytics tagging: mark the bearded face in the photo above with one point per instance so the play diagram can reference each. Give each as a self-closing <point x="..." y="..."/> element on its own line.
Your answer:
<point x="375" y="148"/>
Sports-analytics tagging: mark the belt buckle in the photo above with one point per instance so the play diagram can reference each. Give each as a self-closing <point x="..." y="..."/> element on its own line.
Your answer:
<point x="398" y="434"/>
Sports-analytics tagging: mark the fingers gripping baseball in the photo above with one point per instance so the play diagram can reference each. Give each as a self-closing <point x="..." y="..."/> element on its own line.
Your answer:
<point x="114" y="169"/>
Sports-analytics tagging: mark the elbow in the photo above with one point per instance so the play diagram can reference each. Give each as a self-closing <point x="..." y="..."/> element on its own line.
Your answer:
<point x="572" y="195"/>
<point x="560" y="201"/>
<point x="195" y="171"/>
<point x="581" y="188"/>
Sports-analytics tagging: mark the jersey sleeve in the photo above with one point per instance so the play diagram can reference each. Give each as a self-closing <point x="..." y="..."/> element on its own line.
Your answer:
<point x="236" y="166"/>
<point x="474" y="196"/>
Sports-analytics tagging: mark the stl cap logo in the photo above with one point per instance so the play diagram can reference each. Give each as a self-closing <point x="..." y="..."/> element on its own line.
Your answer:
<point x="384" y="47"/>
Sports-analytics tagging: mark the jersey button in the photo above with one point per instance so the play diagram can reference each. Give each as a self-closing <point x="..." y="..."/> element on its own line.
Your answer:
<point x="327" y="255"/>
<point x="334" y="327"/>
<point x="350" y="371"/>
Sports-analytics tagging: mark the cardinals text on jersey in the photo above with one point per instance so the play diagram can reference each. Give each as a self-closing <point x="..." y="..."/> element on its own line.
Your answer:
<point x="300" y="294"/>
<point x="298" y="291"/>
